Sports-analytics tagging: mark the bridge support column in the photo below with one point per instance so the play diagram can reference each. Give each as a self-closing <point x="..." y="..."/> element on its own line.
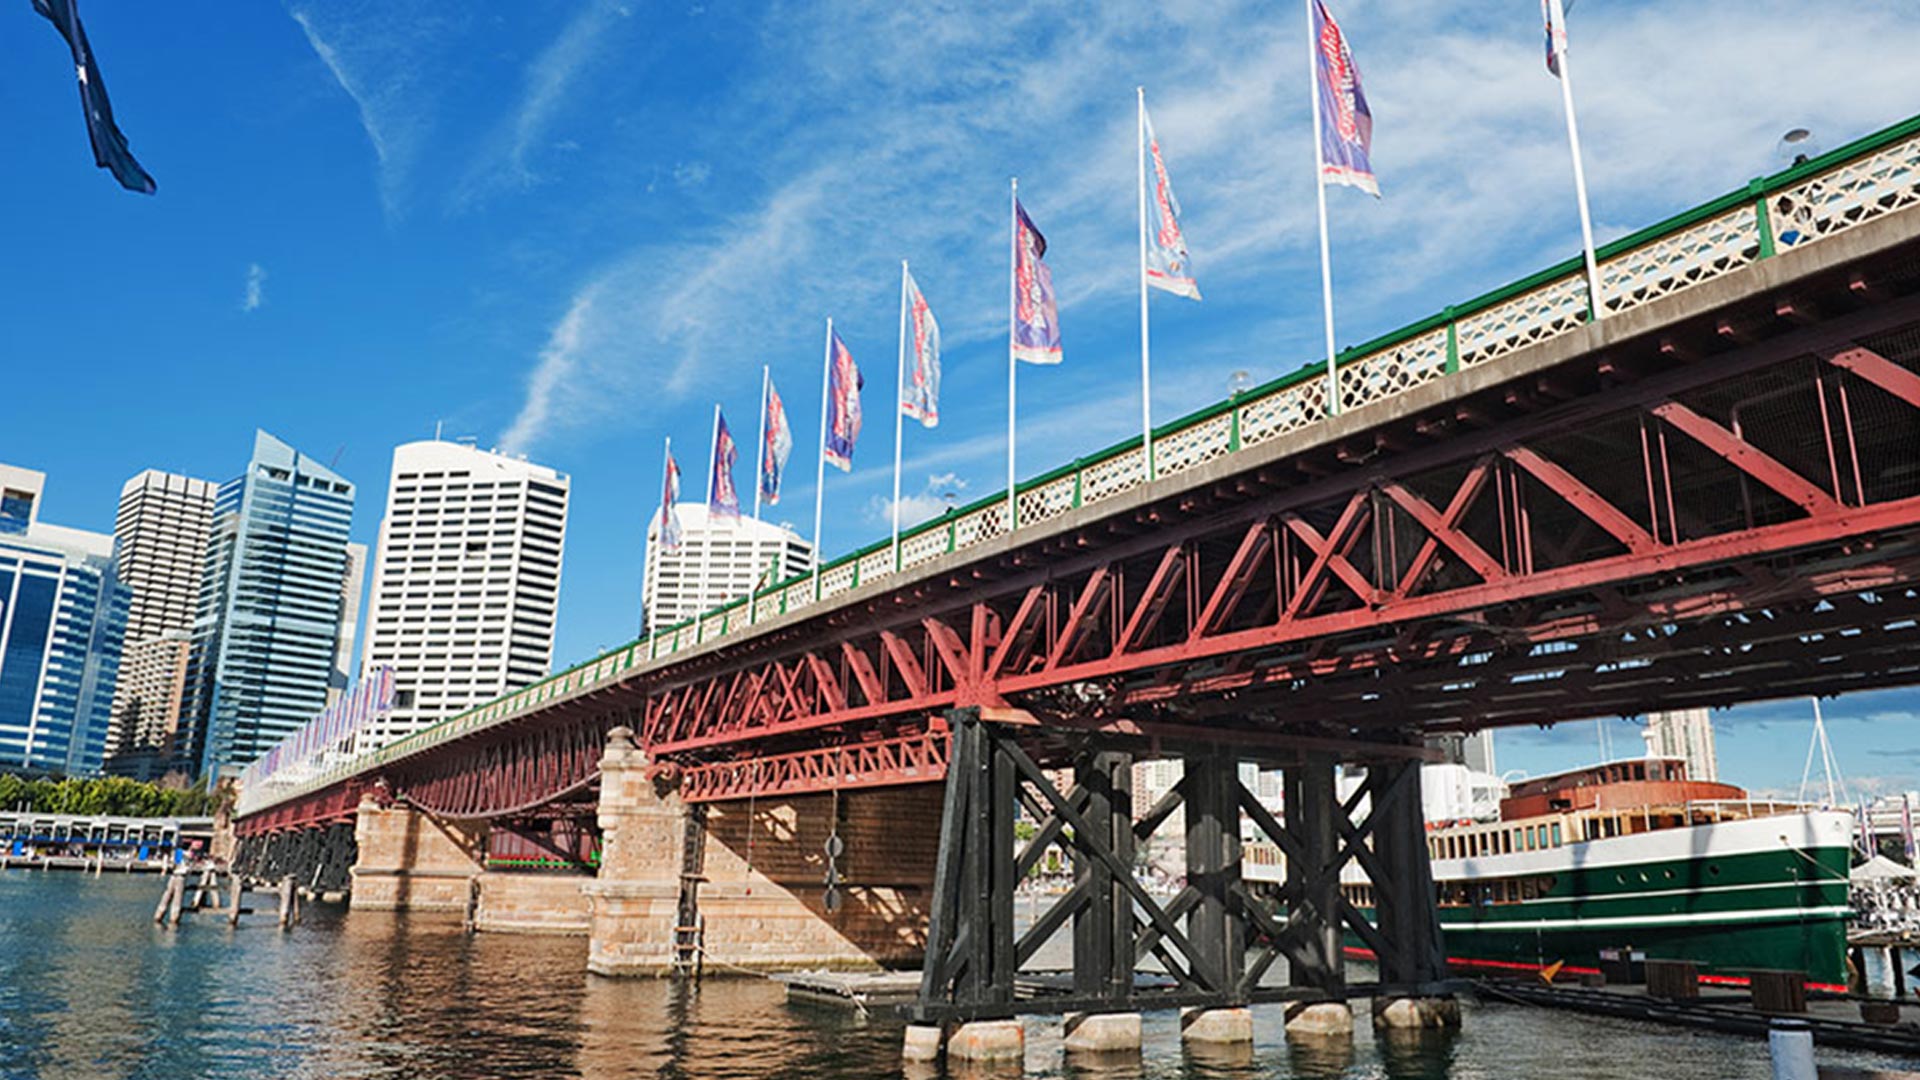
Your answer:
<point x="1313" y="917"/>
<point x="1413" y="963"/>
<point x="408" y="860"/>
<point x="633" y="901"/>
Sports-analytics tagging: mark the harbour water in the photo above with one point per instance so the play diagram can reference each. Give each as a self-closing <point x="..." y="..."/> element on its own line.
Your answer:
<point x="89" y="987"/>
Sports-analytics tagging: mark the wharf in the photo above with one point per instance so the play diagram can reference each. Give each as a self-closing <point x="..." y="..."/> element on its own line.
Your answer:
<point x="83" y="862"/>
<point x="1835" y="1021"/>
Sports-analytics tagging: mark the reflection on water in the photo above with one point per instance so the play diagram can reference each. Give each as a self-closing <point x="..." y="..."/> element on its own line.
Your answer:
<point x="89" y="987"/>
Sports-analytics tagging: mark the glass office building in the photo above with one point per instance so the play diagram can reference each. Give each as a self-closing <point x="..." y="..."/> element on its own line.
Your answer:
<point x="268" y="619"/>
<point x="63" y="615"/>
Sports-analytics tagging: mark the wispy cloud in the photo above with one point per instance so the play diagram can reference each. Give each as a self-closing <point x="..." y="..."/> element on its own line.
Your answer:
<point x="557" y="362"/>
<point x="256" y="288"/>
<point x="375" y="52"/>
<point x="505" y="161"/>
<point x="942" y="492"/>
<point x="840" y="169"/>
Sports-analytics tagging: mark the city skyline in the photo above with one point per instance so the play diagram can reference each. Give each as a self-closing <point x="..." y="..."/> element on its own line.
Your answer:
<point x="500" y="265"/>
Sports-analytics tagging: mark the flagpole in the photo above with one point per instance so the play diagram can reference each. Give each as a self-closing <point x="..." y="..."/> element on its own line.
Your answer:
<point x="820" y="480"/>
<point x="760" y="463"/>
<point x="1013" y="287"/>
<point x="899" y="412"/>
<point x="1146" y="379"/>
<point x="760" y="444"/>
<point x="1556" y="34"/>
<point x="1320" y="191"/>
<point x="666" y="486"/>
<point x="706" y="550"/>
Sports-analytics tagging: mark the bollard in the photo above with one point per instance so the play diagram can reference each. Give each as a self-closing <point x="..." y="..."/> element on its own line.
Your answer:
<point x="1790" y="1043"/>
<point x="234" y="888"/>
<point x="287" y="902"/>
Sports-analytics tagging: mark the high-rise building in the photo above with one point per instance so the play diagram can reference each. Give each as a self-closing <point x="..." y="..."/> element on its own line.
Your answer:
<point x="267" y="621"/>
<point x="161" y="535"/>
<point x="715" y="563"/>
<point x="1687" y="734"/>
<point x="466" y="581"/>
<point x="345" y="671"/>
<point x="63" y="617"/>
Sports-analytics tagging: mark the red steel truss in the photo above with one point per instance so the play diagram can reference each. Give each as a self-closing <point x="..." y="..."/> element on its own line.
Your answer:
<point x="1705" y="513"/>
<point x="1666" y="526"/>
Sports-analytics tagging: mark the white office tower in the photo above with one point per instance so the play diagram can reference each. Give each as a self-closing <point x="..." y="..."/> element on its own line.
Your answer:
<point x="161" y="535"/>
<point x="466" y="581"/>
<point x="352" y="584"/>
<point x="1687" y="734"/>
<point x="715" y="564"/>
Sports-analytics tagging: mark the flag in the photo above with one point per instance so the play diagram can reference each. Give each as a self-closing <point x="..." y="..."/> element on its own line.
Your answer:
<point x="670" y="531"/>
<point x="775" y="448"/>
<point x="1556" y="35"/>
<point x="1169" y="266"/>
<point x="725" y="500"/>
<point x="920" y="398"/>
<point x="110" y="149"/>
<point x="1036" y="319"/>
<point x="843" y="406"/>
<point x="1346" y="124"/>
<point x="1906" y="826"/>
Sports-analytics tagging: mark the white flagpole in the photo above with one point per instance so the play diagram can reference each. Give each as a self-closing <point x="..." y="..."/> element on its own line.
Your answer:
<point x="820" y="480"/>
<point x="659" y="537"/>
<point x="760" y="444"/>
<point x="899" y="413"/>
<point x="1556" y="34"/>
<point x="1013" y="287"/>
<point x="1146" y="380"/>
<point x="706" y="549"/>
<point x="759" y="463"/>
<point x="1320" y="192"/>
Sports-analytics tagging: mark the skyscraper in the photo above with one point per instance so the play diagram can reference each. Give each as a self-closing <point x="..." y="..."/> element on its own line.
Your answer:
<point x="345" y="671"/>
<point x="63" y="615"/>
<point x="466" y="581"/>
<point x="1684" y="733"/>
<point x="716" y="562"/>
<point x="267" y="620"/>
<point x="161" y="535"/>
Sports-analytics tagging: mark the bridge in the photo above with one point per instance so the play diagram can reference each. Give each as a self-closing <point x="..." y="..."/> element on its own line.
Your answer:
<point x="1521" y="510"/>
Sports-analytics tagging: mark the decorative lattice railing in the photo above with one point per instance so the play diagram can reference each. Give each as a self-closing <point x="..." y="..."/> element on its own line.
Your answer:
<point x="1850" y="186"/>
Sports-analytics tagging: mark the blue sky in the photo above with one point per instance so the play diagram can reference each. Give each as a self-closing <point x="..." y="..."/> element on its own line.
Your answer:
<point x="567" y="229"/>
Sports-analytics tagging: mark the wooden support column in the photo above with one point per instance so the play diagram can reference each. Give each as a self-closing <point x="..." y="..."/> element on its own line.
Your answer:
<point x="1213" y="866"/>
<point x="1103" y="926"/>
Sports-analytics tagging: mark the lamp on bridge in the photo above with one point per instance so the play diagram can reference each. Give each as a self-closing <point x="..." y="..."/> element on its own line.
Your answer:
<point x="1796" y="146"/>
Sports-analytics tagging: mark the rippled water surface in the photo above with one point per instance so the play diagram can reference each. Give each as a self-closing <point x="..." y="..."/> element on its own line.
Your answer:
<point x="89" y="987"/>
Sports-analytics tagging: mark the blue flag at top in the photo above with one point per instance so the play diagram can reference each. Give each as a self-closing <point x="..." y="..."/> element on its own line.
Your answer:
<point x="725" y="500"/>
<point x="1036" y="318"/>
<point x="843" y="406"/>
<point x="1346" y="124"/>
<point x="110" y="149"/>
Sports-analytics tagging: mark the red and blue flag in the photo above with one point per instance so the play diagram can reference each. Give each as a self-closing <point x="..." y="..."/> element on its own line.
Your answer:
<point x="725" y="500"/>
<point x="1169" y="267"/>
<point x="670" y="532"/>
<point x="843" y="406"/>
<point x="1036" y="317"/>
<point x="1346" y="124"/>
<point x="775" y="448"/>
<point x="920" y="398"/>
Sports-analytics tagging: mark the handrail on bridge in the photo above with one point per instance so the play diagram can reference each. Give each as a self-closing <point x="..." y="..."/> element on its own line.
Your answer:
<point x="1848" y="186"/>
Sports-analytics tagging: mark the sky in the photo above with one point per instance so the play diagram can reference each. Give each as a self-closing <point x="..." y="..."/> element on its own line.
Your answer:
<point x="568" y="229"/>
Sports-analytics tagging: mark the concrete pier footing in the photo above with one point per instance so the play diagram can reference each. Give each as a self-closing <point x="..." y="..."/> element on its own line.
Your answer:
<point x="1319" y="1020"/>
<point x="1216" y="1026"/>
<point x="988" y="1041"/>
<point x="1102" y="1033"/>
<point x="1416" y="1013"/>
<point x="922" y="1042"/>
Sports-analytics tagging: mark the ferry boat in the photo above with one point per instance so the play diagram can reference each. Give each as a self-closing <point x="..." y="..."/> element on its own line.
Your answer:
<point x="1635" y="855"/>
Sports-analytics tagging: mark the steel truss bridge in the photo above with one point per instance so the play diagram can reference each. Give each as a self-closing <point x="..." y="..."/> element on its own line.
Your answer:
<point x="1516" y="513"/>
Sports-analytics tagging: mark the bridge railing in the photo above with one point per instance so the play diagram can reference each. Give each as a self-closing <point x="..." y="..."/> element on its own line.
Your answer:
<point x="1849" y="186"/>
